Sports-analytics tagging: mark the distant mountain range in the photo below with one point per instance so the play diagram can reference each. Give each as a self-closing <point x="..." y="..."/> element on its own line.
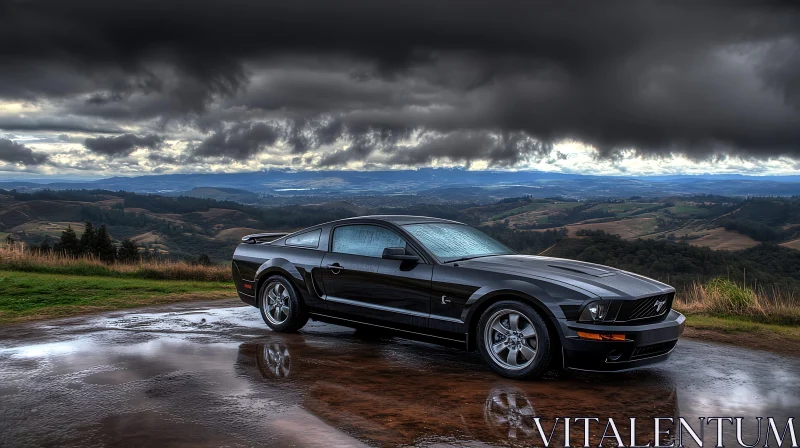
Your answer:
<point x="435" y="184"/>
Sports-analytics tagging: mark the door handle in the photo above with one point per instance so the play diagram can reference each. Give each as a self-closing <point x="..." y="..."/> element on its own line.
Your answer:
<point x="335" y="268"/>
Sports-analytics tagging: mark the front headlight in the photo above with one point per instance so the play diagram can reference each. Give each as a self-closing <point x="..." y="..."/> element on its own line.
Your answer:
<point x="594" y="312"/>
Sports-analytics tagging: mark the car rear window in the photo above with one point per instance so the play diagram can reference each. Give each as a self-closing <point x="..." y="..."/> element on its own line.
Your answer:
<point x="307" y="239"/>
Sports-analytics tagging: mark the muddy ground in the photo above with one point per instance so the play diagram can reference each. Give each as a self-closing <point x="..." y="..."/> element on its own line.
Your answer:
<point x="212" y="374"/>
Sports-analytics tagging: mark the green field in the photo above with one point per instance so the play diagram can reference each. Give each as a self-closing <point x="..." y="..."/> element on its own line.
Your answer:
<point x="538" y="206"/>
<point x="688" y="211"/>
<point x="26" y="296"/>
<point x="624" y="209"/>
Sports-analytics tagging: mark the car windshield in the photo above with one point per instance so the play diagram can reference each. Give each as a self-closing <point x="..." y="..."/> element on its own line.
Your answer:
<point x="452" y="242"/>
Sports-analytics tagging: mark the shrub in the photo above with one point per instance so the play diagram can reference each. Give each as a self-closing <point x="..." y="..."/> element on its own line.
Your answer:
<point x="723" y="297"/>
<point x="729" y="297"/>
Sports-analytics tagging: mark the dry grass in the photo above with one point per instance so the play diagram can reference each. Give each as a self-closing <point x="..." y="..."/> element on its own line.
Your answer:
<point x="793" y="244"/>
<point x="720" y="239"/>
<point x="723" y="297"/>
<point x="16" y="258"/>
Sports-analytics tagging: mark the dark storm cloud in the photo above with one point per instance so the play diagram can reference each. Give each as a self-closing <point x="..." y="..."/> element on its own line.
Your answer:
<point x="13" y="152"/>
<point x="30" y="123"/>
<point x="467" y="147"/>
<point x="239" y="142"/>
<point x="122" y="145"/>
<point x="494" y="81"/>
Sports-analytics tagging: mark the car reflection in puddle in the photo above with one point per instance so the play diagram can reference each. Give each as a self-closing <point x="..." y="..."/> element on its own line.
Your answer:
<point x="275" y="360"/>
<point x="509" y="409"/>
<point x="381" y="398"/>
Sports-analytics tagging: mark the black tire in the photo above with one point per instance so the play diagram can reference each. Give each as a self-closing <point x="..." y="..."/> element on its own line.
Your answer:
<point x="297" y="315"/>
<point x="510" y="361"/>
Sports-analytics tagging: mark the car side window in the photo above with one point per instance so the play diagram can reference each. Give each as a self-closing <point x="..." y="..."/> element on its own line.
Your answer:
<point x="307" y="239"/>
<point x="365" y="240"/>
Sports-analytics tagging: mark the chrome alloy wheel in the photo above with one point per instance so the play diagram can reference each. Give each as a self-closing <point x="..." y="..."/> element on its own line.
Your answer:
<point x="275" y="303"/>
<point x="510" y="339"/>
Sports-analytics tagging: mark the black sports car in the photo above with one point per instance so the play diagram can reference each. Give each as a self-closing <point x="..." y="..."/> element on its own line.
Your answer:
<point x="445" y="282"/>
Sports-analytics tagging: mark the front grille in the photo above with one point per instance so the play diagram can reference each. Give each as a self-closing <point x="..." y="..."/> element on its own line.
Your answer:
<point x="648" y="351"/>
<point x="645" y="308"/>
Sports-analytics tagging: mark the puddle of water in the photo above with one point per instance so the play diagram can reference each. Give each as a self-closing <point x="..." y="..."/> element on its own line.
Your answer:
<point x="220" y="378"/>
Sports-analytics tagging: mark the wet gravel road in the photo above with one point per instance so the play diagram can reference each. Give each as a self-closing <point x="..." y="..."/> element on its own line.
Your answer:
<point x="205" y="375"/>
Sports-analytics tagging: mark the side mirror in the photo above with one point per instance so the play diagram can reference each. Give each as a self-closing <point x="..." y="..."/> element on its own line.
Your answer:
<point x="398" y="253"/>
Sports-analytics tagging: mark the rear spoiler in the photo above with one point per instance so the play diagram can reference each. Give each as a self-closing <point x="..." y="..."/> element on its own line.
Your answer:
<point x="257" y="237"/>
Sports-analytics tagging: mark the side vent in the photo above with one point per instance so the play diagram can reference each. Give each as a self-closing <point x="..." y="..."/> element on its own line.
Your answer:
<point x="262" y="237"/>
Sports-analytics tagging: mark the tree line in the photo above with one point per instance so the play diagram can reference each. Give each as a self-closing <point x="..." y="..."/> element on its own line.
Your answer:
<point x="93" y="242"/>
<point x="97" y="243"/>
<point x="679" y="264"/>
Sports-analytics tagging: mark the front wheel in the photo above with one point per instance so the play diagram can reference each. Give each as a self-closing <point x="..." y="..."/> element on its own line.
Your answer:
<point x="281" y="306"/>
<point x="514" y="341"/>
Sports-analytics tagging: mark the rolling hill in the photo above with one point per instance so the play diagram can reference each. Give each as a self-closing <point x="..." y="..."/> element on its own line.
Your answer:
<point x="186" y="226"/>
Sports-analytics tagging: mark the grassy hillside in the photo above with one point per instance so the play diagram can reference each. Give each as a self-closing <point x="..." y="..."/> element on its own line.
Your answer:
<point x="672" y="239"/>
<point x="710" y="221"/>
<point x="183" y="226"/>
<point x="27" y="296"/>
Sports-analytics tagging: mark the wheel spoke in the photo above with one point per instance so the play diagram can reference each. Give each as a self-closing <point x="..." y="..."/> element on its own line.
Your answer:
<point x="512" y="357"/>
<point x="498" y="327"/>
<point x="513" y="321"/>
<point x="528" y="332"/>
<point x="527" y="352"/>
<point x="527" y="410"/>
<point x="499" y="347"/>
<point x="512" y="401"/>
<point x="285" y="310"/>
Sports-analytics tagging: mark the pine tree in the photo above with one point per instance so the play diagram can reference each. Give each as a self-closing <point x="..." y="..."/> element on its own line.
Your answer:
<point x="69" y="244"/>
<point x="45" y="248"/>
<point x="128" y="251"/>
<point x="103" y="246"/>
<point x="87" y="243"/>
<point x="9" y="240"/>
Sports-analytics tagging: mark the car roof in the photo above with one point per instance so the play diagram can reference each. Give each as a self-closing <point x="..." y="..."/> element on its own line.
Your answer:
<point x="399" y="219"/>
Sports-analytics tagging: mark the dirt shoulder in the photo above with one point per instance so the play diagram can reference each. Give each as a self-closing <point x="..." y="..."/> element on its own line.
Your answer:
<point x="782" y="340"/>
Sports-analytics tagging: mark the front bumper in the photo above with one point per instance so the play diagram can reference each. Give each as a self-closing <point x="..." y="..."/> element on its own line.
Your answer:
<point x="643" y="345"/>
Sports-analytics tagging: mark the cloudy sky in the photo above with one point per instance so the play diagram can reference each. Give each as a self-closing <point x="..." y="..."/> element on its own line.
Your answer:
<point x="97" y="88"/>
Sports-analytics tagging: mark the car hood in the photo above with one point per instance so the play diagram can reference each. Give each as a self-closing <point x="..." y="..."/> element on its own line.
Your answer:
<point x="604" y="281"/>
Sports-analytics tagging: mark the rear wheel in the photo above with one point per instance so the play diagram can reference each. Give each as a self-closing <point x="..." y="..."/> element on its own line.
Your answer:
<point x="281" y="306"/>
<point x="514" y="341"/>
